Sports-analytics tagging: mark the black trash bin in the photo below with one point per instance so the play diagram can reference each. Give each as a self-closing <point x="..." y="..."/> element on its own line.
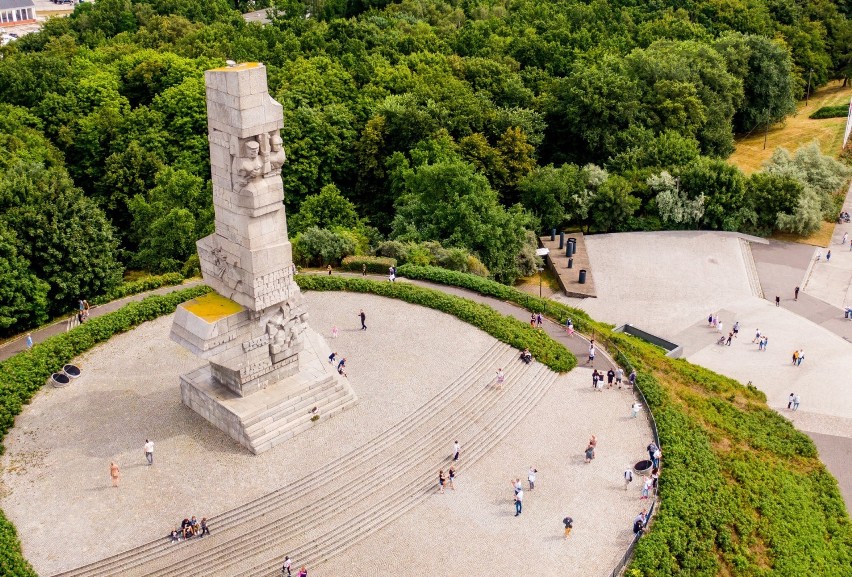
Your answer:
<point x="582" y="276"/>
<point x="561" y="240"/>
<point x="552" y="234"/>
<point x="570" y="262"/>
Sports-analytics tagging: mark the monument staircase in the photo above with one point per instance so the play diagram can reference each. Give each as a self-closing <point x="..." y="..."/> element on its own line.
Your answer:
<point x="352" y="497"/>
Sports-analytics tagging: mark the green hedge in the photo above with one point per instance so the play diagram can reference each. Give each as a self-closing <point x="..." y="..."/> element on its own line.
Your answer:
<point x="375" y="264"/>
<point x="504" y="328"/>
<point x="743" y="492"/>
<point x="24" y="374"/>
<point x="840" y="111"/>
<point x="139" y="286"/>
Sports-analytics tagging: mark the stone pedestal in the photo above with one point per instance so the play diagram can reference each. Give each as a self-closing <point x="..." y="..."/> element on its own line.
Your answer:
<point x="262" y="355"/>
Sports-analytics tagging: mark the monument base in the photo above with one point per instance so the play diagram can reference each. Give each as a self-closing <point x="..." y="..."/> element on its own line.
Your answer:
<point x="281" y="410"/>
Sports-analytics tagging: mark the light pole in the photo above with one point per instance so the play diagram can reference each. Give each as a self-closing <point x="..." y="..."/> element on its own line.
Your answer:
<point x="766" y="132"/>
<point x="540" y="270"/>
<point x="808" y="92"/>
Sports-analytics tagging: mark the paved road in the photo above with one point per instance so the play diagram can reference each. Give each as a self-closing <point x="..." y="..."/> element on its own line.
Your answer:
<point x="18" y="344"/>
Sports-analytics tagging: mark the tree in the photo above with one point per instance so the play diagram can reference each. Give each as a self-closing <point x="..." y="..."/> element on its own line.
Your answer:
<point x="319" y="246"/>
<point x="553" y="194"/>
<point x="328" y="209"/>
<point x="23" y="296"/>
<point x="612" y="204"/>
<point x="723" y="187"/>
<point x="672" y="203"/>
<point x="772" y="196"/>
<point x="765" y="70"/>
<point x="66" y="238"/>
<point x="451" y="203"/>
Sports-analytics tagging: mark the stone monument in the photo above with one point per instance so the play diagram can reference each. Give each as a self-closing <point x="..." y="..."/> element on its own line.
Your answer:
<point x="268" y="377"/>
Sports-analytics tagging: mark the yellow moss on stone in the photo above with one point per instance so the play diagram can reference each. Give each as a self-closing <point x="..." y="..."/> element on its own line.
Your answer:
<point x="212" y="307"/>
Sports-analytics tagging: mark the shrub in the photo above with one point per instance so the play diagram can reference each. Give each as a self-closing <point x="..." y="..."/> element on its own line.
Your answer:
<point x="504" y="328"/>
<point x="375" y="264"/>
<point x="139" y="286"/>
<point x="320" y="246"/>
<point x="839" y="111"/>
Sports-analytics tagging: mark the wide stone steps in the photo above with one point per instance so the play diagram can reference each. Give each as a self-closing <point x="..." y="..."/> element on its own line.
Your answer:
<point x="324" y="527"/>
<point x="390" y="463"/>
<point x="139" y="559"/>
<point x="358" y="523"/>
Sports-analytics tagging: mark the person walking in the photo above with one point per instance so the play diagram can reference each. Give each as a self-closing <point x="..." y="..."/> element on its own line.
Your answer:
<point x="656" y="458"/>
<point x="777" y="301"/>
<point x="441" y="480"/>
<point x="801" y="357"/>
<point x="652" y="448"/>
<point x="451" y="475"/>
<point x="765" y="341"/>
<point x="531" y="477"/>
<point x="756" y="335"/>
<point x="795" y="358"/>
<point x="204" y="529"/>
<point x="610" y="376"/>
<point x="569" y="524"/>
<point x="845" y="236"/>
<point x="790" y="400"/>
<point x="285" y="569"/>
<point x="591" y="352"/>
<point x="331" y="358"/>
<point x="628" y="477"/>
<point x="149" y="451"/>
<point x="456" y="450"/>
<point x="363" y="318"/>
<point x="635" y="408"/>
<point x="619" y="375"/>
<point x="828" y="256"/>
<point x="632" y="378"/>
<point x="500" y="378"/>
<point x="796" y="401"/>
<point x="796" y="294"/>
<point x="730" y="336"/>
<point x="29" y="341"/>
<point x="364" y="269"/>
<point x="519" y="501"/>
<point x="341" y="366"/>
<point x="720" y="327"/>
<point x="516" y="485"/>
<point x="646" y="487"/>
<point x="590" y="454"/>
<point x="328" y="268"/>
<point x="114" y="473"/>
<point x="334" y="332"/>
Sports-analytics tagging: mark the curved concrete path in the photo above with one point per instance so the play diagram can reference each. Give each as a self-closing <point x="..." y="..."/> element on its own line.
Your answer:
<point x="57" y="492"/>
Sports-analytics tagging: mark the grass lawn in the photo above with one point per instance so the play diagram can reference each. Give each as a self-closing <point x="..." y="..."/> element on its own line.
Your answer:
<point x="796" y="130"/>
<point x="530" y="284"/>
<point x="822" y="237"/>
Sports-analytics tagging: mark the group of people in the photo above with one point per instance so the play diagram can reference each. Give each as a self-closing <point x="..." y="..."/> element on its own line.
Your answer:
<point x="190" y="528"/>
<point x="286" y="570"/>
<point x="536" y="320"/>
<point x="341" y="364"/>
<point x="612" y="376"/>
<point x="793" y="402"/>
<point x="82" y="310"/>
<point x="798" y="357"/>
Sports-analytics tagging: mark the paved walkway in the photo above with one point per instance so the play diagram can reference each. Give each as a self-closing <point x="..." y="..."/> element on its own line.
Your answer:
<point x="55" y="486"/>
<point x="18" y="344"/>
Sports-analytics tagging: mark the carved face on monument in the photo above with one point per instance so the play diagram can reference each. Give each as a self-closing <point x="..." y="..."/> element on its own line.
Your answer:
<point x="252" y="149"/>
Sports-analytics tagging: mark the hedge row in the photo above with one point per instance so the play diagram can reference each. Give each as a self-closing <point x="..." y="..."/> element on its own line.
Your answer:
<point x="139" y="286"/>
<point x="375" y="264"/>
<point x="839" y="111"/>
<point x="504" y="328"/>
<point x="24" y="374"/>
<point x="743" y="492"/>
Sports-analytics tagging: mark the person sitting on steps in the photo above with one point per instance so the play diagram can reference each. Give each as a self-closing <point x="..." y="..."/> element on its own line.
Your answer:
<point x="526" y="356"/>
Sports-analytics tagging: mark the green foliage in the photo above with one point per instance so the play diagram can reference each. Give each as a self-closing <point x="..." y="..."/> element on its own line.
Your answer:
<point x="320" y="246"/>
<point x="23" y="296"/>
<point x="841" y="111"/>
<point x="328" y="209"/>
<point x="139" y="286"/>
<point x="11" y="558"/>
<point x="375" y="264"/>
<point x="504" y="328"/>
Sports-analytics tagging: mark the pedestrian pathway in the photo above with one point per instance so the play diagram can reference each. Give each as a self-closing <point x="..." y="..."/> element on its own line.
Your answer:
<point x="18" y="344"/>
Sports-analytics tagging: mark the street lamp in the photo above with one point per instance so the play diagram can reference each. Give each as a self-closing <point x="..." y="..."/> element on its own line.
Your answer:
<point x="541" y="252"/>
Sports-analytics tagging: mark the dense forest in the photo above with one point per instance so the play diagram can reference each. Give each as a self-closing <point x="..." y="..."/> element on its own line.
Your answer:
<point x="435" y="132"/>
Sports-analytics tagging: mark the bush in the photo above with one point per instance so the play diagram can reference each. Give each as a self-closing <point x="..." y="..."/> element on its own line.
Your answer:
<point x="504" y="328"/>
<point x="839" y="111"/>
<point x="320" y="246"/>
<point x="139" y="286"/>
<point x="375" y="264"/>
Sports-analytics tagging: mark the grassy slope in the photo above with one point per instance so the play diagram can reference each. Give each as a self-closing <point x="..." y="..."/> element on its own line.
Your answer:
<point x="796" y="130"/>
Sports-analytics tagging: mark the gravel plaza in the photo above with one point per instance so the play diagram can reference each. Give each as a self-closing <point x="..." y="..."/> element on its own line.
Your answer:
<point x="56" y="487"/>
